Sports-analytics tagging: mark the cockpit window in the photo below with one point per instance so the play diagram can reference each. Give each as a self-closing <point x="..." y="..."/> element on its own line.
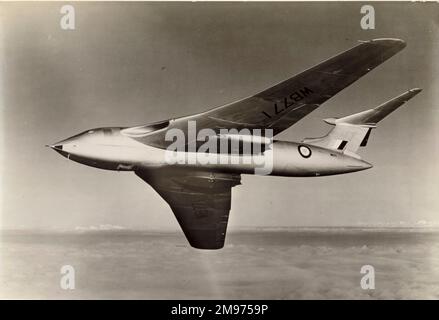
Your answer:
<point x="143" y="130"/>
<point x="90" y="131"/>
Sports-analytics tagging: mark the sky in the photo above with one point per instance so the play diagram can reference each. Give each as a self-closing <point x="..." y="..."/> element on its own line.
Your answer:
<point x="128" y="64"/>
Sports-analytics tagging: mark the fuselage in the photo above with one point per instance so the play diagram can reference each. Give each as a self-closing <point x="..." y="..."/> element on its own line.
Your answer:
<point x="108" y="148"/>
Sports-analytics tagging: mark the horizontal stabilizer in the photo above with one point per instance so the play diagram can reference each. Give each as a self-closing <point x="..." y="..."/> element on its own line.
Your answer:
<point x="372" y="116"/>
<point x="352" y="132"/>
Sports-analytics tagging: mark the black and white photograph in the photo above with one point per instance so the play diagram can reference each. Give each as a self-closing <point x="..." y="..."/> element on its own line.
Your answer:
<point x="219" y="151"/>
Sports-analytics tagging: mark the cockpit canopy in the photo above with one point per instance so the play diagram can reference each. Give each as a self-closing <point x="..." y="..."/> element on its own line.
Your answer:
<point x="140" y="131"/>
<point x="107" y="131"/>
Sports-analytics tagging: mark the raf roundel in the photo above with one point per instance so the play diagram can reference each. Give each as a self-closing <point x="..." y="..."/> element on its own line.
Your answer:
<point x="304" y="151"/>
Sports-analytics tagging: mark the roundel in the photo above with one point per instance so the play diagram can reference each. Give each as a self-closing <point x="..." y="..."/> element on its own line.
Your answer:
<point x="304" y="151"/>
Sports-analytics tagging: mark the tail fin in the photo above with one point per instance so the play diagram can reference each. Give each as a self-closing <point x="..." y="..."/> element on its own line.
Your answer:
<point x="352" y="132"/>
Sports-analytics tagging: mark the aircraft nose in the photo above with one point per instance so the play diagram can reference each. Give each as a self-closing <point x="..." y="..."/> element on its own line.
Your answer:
<point x="57" y="147"/>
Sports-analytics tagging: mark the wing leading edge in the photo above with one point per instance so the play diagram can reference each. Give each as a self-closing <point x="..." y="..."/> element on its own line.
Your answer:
<point x="285" y="103"/>
<point x="200" y="201"/>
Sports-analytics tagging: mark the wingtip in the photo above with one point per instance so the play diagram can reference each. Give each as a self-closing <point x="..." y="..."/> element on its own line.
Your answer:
<point x="415" y="90"/>
<point x="387" y="42"/>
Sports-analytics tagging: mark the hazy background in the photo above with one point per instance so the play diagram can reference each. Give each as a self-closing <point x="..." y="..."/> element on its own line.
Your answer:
<point x="279" y="264"/>
<point x="134" y="63"/>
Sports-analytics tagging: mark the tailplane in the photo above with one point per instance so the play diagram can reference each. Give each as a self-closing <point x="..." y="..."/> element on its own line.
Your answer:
<point x="352" y="132"/>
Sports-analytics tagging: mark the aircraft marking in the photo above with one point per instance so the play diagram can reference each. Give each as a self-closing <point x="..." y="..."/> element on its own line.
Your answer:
<point x="289" y="101"/>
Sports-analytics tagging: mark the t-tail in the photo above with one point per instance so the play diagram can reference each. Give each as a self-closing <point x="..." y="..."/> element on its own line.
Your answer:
<point x="352" y="132"/>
